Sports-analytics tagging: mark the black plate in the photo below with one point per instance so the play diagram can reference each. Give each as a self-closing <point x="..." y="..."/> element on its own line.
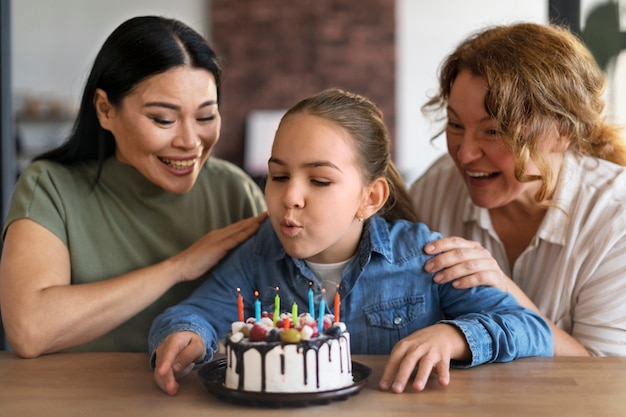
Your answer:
<point x="213" y="375"/>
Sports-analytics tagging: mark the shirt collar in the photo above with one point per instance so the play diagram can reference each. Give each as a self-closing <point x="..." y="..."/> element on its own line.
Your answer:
<point x="553" y="226"/>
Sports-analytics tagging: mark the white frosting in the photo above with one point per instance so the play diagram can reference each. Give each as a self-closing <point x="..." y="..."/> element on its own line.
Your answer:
<point x="285" y="368"/>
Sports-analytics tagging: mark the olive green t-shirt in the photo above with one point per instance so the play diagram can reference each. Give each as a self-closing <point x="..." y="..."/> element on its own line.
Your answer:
<point x="126" y="222"/>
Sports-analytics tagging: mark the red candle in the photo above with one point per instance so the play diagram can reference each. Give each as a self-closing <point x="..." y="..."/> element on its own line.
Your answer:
<point x="286" y="323"/>
<point x="240" y="304"/>
<point x="337" y="304"/>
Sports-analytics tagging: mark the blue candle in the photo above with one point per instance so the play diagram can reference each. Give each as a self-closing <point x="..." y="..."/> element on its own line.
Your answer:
<point x="311" y="305"/>
<point x="320" y="321"/>
<point x="257" y="307"/>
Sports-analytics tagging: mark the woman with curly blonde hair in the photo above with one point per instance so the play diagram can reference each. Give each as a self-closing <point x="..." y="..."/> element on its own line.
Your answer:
<point x="532" y="192"/>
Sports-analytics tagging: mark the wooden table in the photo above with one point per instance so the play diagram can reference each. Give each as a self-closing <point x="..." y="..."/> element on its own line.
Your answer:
<point x="121" y="384"/>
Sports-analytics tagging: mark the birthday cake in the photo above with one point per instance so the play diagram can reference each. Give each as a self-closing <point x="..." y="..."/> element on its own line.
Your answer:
<point x="287" y="356"/>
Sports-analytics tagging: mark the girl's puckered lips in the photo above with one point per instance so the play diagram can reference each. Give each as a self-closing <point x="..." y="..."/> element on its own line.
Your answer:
<point x="289" y="227"/>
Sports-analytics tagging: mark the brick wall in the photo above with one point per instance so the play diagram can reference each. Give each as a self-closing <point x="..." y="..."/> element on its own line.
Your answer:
<point x="276" y="52"/>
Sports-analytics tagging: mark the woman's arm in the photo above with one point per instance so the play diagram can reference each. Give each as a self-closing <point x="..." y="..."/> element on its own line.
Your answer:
<point x="468" y="264"/>
<point x="43" y="313"/>
<point x="564" y="343"/>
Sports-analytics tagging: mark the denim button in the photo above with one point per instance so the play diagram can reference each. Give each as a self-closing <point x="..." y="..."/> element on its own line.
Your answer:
<point x="342" y="287"/>
<point x="397" y="320"/>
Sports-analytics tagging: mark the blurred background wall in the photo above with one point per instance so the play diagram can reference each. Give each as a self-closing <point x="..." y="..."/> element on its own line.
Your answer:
<point x="275" y="53"/>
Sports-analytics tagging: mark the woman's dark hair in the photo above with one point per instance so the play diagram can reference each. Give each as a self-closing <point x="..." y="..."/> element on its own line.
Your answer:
<point x="137" y="49"/>
<point x="363" y="120"/>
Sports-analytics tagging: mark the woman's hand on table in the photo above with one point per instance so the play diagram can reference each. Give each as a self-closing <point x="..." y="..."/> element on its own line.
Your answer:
<point x="427" y="350"/>
<point x="465" y="262"/>
<point x="176" y="357"/>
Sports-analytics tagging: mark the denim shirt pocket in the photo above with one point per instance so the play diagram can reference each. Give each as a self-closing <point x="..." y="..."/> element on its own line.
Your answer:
<point x="392" y="320"/>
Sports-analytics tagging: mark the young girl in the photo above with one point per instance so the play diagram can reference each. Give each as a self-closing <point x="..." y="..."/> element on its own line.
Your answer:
<point x="339" y="213"/>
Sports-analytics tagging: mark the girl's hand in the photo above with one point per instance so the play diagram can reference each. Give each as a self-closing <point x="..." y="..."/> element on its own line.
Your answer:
<point x="465" y="262"/>
<point x="175" y="358"/>
<point x="427" y="350"/>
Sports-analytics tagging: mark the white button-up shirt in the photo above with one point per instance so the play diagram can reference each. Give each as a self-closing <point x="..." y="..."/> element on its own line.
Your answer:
<point x="574" y="269"/>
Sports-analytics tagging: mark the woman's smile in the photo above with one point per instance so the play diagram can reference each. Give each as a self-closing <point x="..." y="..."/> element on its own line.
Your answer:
<point x="179" y="166"/>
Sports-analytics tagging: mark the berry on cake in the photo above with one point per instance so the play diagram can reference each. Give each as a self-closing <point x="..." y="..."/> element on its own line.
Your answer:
<point x="287" y="353"/>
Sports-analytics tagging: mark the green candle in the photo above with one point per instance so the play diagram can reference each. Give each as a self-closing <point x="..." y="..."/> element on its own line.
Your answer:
<point x="294" y="314"/>
<point x="276" y="307"/>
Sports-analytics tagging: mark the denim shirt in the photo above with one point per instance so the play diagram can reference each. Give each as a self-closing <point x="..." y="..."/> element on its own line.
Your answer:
<point x="385" y="296"/>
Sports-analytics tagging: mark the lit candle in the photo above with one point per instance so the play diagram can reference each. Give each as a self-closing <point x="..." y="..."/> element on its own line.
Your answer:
<point x="257" y="307"/>
<point x="311" y="305"/>
<point x="320" y="321"/>
<point x="240" y="304"/>
<point x="337" y="304"/>
<point x="276" y="307"/>
<point x="294" y="314"/>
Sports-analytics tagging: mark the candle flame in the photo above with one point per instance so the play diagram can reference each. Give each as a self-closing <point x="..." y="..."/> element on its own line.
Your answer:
<point x="256" y="293"/>
<point x="238" y="289"/>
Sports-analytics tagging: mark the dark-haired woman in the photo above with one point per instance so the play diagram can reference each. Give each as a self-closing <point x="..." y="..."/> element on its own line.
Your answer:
<point x="115" y="225"/>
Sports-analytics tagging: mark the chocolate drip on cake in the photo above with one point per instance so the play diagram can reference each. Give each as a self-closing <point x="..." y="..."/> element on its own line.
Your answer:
<point x="239" y="349"/>
<point x="341" y="358"/>
<point x="282" y="364"/>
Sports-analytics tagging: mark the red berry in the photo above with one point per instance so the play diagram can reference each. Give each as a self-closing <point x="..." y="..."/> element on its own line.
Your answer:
<point x="314" y="328"/>
<point x="258" y="333"/>
<point x="327" y="323"/>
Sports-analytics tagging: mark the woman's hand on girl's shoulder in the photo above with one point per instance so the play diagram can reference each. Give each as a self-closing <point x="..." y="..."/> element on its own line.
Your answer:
<point x="465" y="262"/>
<point x="205" y="253"/>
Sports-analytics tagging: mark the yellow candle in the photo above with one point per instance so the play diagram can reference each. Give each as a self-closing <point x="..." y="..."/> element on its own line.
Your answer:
<point x="294" y="314"/>
<point x="276" y="307"/>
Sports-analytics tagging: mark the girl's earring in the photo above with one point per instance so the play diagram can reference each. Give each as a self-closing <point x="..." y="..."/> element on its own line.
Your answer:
<point x="359" y="218"/>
